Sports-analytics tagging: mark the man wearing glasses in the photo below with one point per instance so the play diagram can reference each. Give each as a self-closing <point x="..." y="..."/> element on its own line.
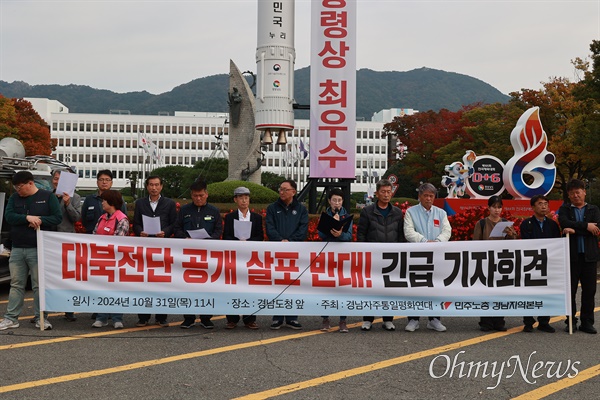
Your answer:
<point x="92" y="205"/>
<point x="287" y="221"/>
<point x="28" y="210"/>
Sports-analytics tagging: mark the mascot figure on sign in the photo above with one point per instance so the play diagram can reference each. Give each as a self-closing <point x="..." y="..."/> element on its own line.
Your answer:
<point x="458" y="173"/>
<point x="531" y="170"/>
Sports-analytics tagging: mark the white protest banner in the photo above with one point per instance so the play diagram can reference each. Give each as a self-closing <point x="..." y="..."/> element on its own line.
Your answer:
<point x="88" y="273"/>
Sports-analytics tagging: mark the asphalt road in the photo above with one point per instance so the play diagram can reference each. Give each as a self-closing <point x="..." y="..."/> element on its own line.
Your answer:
<point x="74" y="361"/>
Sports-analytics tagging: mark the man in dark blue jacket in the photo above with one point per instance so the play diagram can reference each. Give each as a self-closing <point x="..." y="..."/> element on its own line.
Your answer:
<point x="194" y="216"/>
<point x="287" y="221"/>
<point x="28" y="210"/>
<point x="91" y="210"/>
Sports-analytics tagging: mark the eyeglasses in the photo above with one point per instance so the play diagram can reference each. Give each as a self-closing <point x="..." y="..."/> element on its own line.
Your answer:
<point x="285" y="189"/>
<point x="104" y="180"/>
<point x="19" y="187"/>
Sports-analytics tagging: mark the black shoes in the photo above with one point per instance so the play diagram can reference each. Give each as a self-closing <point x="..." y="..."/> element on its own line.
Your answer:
<point x="546" y="328"/>
<point x="587" y="328"/>
<point x="187" y="323"/>
<point x="206" y="324"/>
<point x="528" y="328"/>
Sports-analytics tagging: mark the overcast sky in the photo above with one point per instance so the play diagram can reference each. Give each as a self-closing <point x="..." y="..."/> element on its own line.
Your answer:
<point x="135" y="45"/>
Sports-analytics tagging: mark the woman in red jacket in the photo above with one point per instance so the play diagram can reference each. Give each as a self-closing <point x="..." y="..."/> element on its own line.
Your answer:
<point x="112" y="222"/>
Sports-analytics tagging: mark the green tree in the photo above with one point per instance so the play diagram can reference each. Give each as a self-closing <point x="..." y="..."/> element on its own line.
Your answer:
<point x="490" y="128"/>
<point x="212" y="169"/>
<point x="271" y="180"/>
<point x="176" y="180"/>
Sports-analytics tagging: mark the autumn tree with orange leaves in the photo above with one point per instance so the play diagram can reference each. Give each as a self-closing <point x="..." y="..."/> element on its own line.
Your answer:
<point x="19" y="120"/>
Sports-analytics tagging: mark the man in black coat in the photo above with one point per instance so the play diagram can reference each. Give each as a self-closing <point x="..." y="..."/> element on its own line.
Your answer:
<point x="539" y="226"/>
<point x="154" y="206"/>
<point x="580" y="220"/>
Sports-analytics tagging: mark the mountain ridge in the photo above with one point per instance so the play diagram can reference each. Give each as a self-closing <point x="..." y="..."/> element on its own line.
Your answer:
<point x="422" y="89"/>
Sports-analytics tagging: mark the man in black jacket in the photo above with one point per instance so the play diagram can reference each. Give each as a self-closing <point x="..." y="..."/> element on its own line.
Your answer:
<point x="539" y="226"/>
<point x="580" y="220"/>
<point x="91" y="210"/>
<point x="287" y="221"/>
<point x="194" y="216"/>
<point x="241" y="197"/>
<point x="154" y="206"/>
<point x="28" y="210"/>
<point x="381" y="222"/>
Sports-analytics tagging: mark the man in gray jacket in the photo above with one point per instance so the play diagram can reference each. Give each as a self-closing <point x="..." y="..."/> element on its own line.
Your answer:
<point x="70" y="207"/>
<point x="381" y="222"/>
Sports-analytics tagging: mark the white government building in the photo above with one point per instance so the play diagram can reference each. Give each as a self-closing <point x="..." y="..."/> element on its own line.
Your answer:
<point x="91" y="142"/>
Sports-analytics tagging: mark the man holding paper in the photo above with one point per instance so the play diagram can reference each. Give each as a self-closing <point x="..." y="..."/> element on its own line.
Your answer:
<point x="154" y="216"/>
<point x="198" y="216"/>
<point x="242" y="224"/>
<point x="64" y="183"/>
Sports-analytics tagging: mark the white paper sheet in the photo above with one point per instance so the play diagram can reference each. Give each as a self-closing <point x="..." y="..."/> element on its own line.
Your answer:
<point x="498" y="230"/>
<point x="151" y="225"/>
<point x="242" y="229"/>
<point x="199" y="234"/>
<point x="66" y="183"/>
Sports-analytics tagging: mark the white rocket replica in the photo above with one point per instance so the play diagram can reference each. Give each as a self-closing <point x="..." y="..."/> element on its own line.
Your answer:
<point x="275" y="58"/>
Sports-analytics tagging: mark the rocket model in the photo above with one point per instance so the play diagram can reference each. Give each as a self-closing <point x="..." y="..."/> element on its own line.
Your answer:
<point x="275" y="57"/>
